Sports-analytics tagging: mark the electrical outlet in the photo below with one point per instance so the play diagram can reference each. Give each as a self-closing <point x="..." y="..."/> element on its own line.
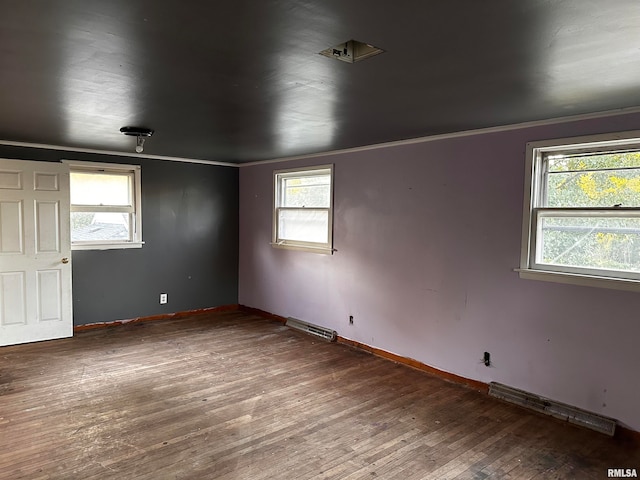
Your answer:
<point x="487" y="359"/>
<point x="163" y="298"/>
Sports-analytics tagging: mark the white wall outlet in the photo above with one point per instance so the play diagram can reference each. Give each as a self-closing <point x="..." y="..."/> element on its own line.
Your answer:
<point x="163" y="298"/>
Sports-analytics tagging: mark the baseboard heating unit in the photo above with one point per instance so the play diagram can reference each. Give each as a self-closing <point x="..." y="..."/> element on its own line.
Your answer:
<point x="555" y="409"/>
<point x="318" y="331"/>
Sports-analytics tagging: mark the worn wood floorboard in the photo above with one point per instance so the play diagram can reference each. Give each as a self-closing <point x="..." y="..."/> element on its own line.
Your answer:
<point x="234" y="396"/>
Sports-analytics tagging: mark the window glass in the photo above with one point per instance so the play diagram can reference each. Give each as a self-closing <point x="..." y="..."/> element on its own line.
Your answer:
<point x="599" y="243"/>
<point x="304" y="225"/>
<point x="594" y="180"/>
<point x="98" y="188"/>
<point x="307" y="191"/>
<point x="95" y="227"/>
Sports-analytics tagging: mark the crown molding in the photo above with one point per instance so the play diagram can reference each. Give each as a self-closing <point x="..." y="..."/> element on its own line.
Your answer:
<point x="376" y="146"/>
<point x="63" y="148"/>
<point x="448" y="136"/>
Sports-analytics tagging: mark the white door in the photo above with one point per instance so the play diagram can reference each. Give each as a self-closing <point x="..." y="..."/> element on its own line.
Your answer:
<point x="35" y="252"/>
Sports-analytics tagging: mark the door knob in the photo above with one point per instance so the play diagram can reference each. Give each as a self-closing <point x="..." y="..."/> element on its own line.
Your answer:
<point x="65" y="260"/>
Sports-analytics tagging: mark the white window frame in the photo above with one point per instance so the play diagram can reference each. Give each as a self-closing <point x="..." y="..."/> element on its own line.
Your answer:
<point x="135" y="209"/>
<point x="533" y="212"/>
<point x="278" y="177"/>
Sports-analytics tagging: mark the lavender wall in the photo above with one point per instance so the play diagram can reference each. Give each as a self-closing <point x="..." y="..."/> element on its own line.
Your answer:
<point x="427" y="237"/>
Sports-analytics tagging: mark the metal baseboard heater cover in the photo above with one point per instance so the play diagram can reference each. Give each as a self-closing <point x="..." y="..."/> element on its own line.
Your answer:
<point x="555" y="409"/>
<point x="318" y="331"/>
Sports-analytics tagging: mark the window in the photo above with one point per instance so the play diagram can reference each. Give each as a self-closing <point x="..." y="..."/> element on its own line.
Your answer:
<point x="582" y="211"/>
<point x="303" y="204"/>
<point x="105" y="206"/>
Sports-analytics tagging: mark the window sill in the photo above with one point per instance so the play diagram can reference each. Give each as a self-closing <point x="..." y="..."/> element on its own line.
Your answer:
<point x="106" y="246"/>
<point x="582" y="280"/>
<point x="305" y="248"/>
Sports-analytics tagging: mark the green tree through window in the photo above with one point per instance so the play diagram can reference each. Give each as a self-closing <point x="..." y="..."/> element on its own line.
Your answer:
<point x="607" y="236"/>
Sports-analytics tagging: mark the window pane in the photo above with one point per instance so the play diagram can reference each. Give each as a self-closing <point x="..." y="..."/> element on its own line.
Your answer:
<point x="600" y="243"/>
<point x="95" y="227"/>
<point x="306" y="191"/>
<point x="100" y="189"/>
<point x="304" y="225"/>
<point x="594" y="181"/>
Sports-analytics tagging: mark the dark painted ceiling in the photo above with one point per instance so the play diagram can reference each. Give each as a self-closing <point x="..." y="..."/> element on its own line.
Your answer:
<point x="240" y="81"/>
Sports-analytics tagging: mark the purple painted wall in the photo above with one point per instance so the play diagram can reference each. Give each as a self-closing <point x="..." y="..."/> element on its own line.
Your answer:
<point x="427" y="237"/>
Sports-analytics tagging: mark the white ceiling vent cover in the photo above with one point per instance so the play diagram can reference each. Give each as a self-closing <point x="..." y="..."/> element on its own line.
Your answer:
<point x="324" y="333"/>
<point x="351" y="51"/>
<point x="555" y="409"/>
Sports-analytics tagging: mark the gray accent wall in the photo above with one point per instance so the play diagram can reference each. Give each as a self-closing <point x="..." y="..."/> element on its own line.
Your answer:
<point x="190" y="230"/>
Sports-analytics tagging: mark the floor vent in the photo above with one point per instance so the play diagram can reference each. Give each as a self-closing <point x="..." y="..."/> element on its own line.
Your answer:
<point x="324" y="333"/>
<point x="555" y="409"/>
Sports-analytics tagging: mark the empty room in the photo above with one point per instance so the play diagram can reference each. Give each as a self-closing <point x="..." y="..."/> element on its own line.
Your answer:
<point x="319" y="239"/>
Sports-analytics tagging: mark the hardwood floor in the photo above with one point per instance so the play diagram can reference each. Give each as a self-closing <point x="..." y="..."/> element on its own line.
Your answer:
<point x="235" y="396"/>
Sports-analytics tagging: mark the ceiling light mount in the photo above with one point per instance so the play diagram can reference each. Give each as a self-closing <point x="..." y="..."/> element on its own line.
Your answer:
<point x="141" y="134"/>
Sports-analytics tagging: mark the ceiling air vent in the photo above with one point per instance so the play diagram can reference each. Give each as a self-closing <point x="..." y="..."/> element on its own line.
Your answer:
<point x="351" y="51"/>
